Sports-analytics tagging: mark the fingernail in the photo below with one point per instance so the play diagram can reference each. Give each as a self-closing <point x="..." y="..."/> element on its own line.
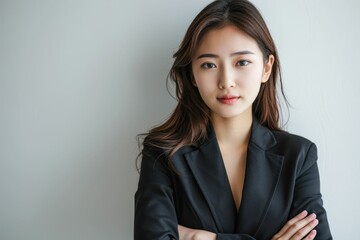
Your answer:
<point x="313" y="215"/>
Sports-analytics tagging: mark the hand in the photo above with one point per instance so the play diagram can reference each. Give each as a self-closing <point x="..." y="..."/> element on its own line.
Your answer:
<point x="300" y="227"/>
<point x="194" y="234"/>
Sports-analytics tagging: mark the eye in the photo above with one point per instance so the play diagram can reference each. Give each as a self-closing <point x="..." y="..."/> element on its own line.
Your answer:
<point x="208" y="65"/>
<point x="243" y="63"/>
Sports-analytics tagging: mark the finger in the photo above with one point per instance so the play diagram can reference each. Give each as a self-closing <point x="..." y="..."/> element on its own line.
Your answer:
<point x="181" y="229"/>
<point x="295" y="229"/>
<point x="291" y="222"/>
<point x="297" y="226"/>
<point x="311" y="235"/>
<point x="306" y="230"/>
<point x="183" y="232"/>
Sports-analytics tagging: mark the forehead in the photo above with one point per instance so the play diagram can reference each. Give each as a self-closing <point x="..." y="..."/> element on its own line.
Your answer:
<point x="226" y="40"/>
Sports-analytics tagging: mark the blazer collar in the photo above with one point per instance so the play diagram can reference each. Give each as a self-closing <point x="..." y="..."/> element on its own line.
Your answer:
<point x="261" y="136"/>
<point x="262" y="173"/>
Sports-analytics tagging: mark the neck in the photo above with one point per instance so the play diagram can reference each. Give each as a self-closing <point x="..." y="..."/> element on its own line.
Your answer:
<point x="233" y="131"/>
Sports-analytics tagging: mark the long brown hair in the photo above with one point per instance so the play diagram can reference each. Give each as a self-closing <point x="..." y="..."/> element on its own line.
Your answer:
<point x="190" y="120"/>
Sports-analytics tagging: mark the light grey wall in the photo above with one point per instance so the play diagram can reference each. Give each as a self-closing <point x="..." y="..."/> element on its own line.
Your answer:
<point x="79" y="79"/>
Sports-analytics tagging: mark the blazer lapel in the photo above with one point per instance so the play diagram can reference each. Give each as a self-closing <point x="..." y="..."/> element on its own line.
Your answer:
<point x="263" y="170"/>
<point x="208" y="169"/>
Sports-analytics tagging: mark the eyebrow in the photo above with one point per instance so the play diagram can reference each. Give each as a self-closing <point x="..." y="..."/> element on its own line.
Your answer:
<point x="211" y="55"/>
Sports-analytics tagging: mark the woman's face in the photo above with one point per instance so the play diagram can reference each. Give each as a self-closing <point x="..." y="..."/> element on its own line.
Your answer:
<point x="228" y="68"/>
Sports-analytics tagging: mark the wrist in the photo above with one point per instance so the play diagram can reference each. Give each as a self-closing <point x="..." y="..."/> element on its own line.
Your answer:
<point x="204" y="235"/>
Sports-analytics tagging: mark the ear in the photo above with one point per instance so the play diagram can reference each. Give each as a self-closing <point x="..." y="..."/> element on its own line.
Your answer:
<point x="267" y="68"/>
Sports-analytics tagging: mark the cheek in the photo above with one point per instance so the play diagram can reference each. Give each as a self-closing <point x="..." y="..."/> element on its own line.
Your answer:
<point x="205" y="89"/>
<point x="206" y="82"/>
<point x="250" y="84"/>
<point x="250" y="78"/>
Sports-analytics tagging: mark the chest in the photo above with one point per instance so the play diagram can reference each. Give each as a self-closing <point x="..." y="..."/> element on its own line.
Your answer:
<point x="234" y="160"/>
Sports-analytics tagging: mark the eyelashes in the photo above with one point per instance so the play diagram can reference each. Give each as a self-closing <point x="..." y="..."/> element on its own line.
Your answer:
<point x="241" y="63"/>
<point x="208" y="65"/>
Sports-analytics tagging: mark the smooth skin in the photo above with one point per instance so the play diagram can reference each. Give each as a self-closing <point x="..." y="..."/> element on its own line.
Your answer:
<point x="226" y="63"/>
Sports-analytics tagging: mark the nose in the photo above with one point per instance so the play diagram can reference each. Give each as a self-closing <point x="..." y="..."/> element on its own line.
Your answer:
<point x="227" y="78"/>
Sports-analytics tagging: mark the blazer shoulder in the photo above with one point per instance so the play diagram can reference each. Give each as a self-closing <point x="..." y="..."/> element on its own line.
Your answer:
<point x="292" y="141"/>
<point x="297" y="149"/>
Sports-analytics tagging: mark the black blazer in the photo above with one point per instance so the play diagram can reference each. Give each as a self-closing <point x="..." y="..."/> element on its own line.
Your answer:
<point x="281" y="180"/>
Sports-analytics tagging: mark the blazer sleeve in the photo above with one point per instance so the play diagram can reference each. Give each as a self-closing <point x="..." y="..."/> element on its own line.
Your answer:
<point x="155" y="215"/>
<point x="307" y="194"/>
<point x="230" y="236"/>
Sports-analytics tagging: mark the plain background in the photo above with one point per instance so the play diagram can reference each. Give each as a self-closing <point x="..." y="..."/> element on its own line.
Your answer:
<point x="79" y="79"/>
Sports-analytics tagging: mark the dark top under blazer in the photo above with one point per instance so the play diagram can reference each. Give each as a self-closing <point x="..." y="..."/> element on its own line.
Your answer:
<point x="281" y="180"/>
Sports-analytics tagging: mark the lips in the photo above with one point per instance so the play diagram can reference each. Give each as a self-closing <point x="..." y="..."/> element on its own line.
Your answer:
<point x="228" y="99"/>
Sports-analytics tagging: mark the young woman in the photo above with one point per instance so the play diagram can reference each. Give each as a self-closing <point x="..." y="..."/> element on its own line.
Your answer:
<point x="220" y="167"/>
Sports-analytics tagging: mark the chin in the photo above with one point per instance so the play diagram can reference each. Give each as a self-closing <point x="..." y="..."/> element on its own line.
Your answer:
<point x="232" y="113"/>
